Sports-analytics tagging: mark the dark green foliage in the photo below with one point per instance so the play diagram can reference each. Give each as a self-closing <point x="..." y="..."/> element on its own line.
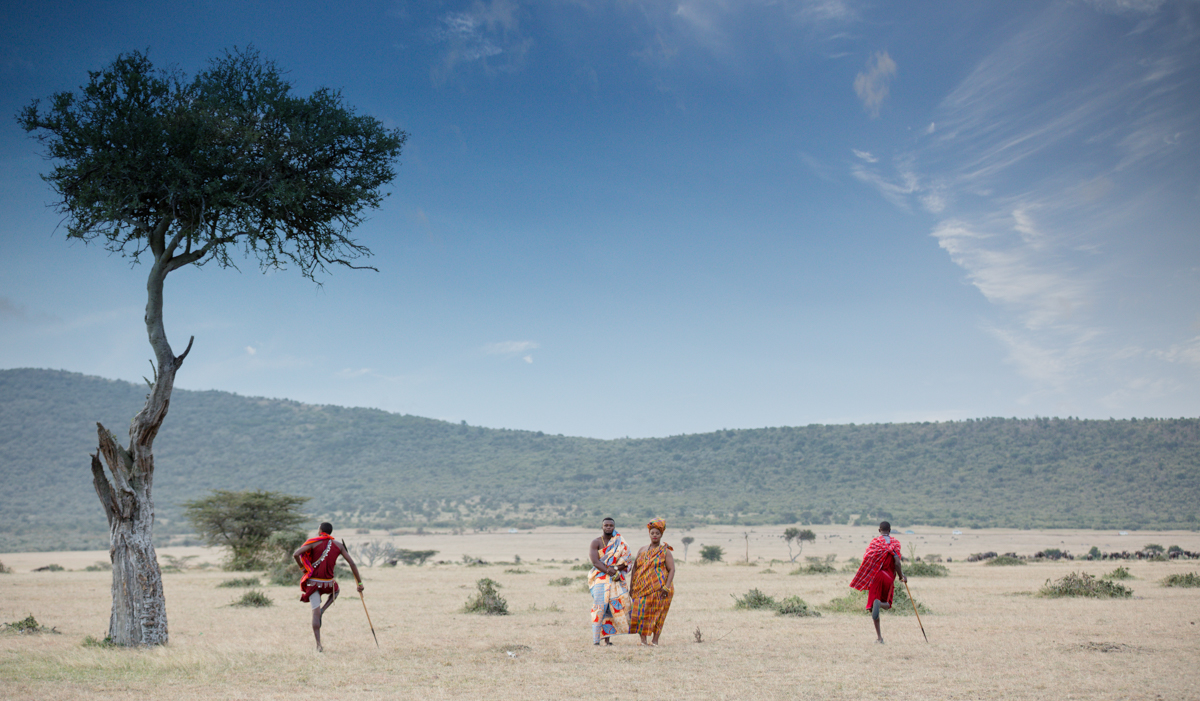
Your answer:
<point x="926" y="569"/>
<point x="795" y="606"/>
<point x="253" y="598"/>
<point x="754" y="600"/>
<point x="241" y="582"/>
<point x="1118" y="574"/>
<point x="230" y="160"/>
<point x="414" y="557"/>
<point x="712" y="553"/>
<point x="1005" y="561"/>
<point x="487" y="600"/>
<point x="405" y="471"/>
<point x="26" y="626"/>
<point x="1084" y="585"/>
<point x="797" y="537"/>
<point x="1186" y="579"/>
<point x="50" y="568"/>
<point x="1095" y="553"/>
<point x="1153" y="548"/>
<point x="582" y="567"/>
<point x="244" y="522"/>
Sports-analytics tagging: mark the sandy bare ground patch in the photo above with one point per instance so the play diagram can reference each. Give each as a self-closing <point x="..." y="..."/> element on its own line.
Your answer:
<point x="989" y="638"/>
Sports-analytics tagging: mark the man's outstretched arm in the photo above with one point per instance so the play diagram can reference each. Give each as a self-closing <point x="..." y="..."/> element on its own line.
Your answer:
<point x="899" y="569"/>
<point x="353" y="568"/>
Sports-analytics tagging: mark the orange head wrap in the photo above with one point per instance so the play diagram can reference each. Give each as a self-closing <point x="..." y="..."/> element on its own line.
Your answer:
<point x="659" y="523"/>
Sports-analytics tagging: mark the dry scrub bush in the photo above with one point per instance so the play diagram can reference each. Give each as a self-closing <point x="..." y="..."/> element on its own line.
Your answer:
<point x="856" y="602"/>
<point x="487" y="601"/>
<point x="5" y="570"/>
<point x="1187" y="579"/>
<point x="1004" y="561"/>
<point x="1084" y="585"/>
<point x="253" y="598"/>
<point x="26" y="626"/>
<point x="795" y="606"/>
<point x="755" y="599"/>
<point x="1119" y="573"/>
<point x="926" y="569"/>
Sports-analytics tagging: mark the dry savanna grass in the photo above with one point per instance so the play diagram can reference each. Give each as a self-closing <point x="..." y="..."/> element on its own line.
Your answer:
<point x="989" y="636"/>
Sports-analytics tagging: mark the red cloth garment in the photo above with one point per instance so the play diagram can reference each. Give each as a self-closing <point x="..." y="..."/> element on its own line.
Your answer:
<point x="882" y="587"/>
<point x="877" y="558"/>
<point x="318" y="566"/>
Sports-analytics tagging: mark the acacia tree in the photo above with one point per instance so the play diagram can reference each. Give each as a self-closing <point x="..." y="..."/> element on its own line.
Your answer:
<point x="797" y="536"/>
<point x="244" y="522"/>
<point x="190" y="172"/>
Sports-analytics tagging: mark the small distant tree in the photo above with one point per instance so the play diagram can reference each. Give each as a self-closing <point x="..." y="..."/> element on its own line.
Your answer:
<point x="712" y="553"/>
<point x="796" y="536"/>
<point x="244" y="522"/>
<point x="1154" y="548"/>
<point x="686" y="540"/>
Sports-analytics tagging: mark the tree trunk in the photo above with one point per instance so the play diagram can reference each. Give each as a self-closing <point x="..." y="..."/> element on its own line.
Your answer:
<point x="139" y="609"/>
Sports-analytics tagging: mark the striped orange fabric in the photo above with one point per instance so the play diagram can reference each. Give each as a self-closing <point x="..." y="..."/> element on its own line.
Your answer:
<point x="649" y="610"/>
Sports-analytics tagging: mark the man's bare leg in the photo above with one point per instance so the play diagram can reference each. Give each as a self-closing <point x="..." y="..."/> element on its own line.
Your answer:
<point x="875" y="608"/>
<point x="317" y="624"/>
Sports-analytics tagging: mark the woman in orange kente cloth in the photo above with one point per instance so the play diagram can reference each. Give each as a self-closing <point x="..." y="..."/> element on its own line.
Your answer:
<point x="652" y="585"/>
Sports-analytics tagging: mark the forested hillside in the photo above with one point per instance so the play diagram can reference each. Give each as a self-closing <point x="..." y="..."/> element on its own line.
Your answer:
<point x="369" y="467"/>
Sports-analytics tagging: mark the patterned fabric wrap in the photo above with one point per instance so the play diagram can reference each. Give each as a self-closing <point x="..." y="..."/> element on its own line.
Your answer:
<point x="878" y="557"/>
<point x="320" y="566"/>
<point x="613" y="615"/>
<point x="649" y="576"/>
<point x="660" y="524"/>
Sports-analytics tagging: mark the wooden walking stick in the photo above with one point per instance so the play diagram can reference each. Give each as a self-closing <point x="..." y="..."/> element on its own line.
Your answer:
<point x="364" y="601"/>
<point x="914" y="603"/>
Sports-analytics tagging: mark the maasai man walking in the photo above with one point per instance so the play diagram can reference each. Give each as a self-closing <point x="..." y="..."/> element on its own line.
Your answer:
<point x="651" y="585"/>
<point x="877" y="573"/>
<point x="317" y="557"/>
<point x="606" y="581"/>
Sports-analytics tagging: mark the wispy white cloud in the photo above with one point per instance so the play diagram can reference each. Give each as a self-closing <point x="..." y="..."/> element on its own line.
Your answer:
<point x="865" y="155"/>
<point x="1186" y="353"/>
<point x="872" y="85"/>
<point x="486" y="30"/>
<point x="250" y="350"/>
<point x="1123" y="6"/>
<point x="509" y="347"/>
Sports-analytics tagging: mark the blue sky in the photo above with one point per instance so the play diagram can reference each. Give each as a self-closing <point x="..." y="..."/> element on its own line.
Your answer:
<point x="643" y="219"/>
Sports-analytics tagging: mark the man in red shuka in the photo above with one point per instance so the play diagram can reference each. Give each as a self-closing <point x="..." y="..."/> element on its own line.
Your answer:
<point x="879" y="569"/>
<point x="317" y="558"/>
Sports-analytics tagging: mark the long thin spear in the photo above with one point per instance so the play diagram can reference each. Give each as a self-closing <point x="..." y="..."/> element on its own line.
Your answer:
<point x="914" y="603"/>
<point x="364" y="601"/>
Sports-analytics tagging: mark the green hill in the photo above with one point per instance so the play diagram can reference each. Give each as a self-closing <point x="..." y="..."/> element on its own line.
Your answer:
<point x="370" y="467"/>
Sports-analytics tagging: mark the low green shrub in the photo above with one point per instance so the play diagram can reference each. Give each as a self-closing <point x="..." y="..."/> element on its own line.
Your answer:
<point x="712" y="553"/>
<point x="795" y="606"/>
<point x="1187" y="579"/>
<point x="1084" y="585"/>
<point x="567" y="581"/>
<point x="1004" y="561"/>
<point x="240" y="582"/>
<point x="755" y="599"/>
<point x="4" y="569"/>
<point x="516" y="570"/>
<point x="50" y="568"/>
<point x="254" y="599"/>
<point x="926" y="569"/>
<point x="582" y="567"/>
<point x="1119" y="573"/>
<point x="90" y="641"/>
<point x="100" y="566"/>
<point x="26" y="626"/>
<point x="487" y="601"/>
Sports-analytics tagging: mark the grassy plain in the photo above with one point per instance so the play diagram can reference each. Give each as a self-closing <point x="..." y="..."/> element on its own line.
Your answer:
<point x="989" y="637"/>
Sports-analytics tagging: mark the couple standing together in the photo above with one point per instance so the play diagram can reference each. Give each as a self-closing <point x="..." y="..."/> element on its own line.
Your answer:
<point x="625" y="601"/>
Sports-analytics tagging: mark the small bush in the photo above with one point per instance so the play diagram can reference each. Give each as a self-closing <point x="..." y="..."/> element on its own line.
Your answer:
<point x="26" y="626"/>
<point x="1084" y="585"/>
<point x="5" y="570"/>
<point x="582" y="567"/>
<point x="240" y="582"/>
<point x="90" y="641"/>
<point x="487" y="601"/>
<point x="1004" y="561"/>
<point x="253" y="598"/>
<point x="516" y="570"/>
<point x="926" y="569"/>
<point x="100" y="566"/>
<point x="1118" y="574"/>
<point x="712" y="553"/>
<point x="755" y="599"/>
<point x="1187" y="579"/>
<point x="567" y="581"/>
<point x="50" y="568"/>
<point x="795" y="606"/>
<point x="851" y="565"/>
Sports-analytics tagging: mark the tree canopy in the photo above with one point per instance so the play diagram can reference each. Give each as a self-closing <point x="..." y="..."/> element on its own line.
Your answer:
<point x="194" y="170"/>
<point x="244" y="522"/>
